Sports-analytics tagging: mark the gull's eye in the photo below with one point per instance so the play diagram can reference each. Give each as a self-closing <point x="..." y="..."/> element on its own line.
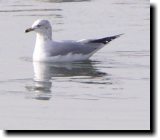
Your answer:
<point x="38" y="25"/>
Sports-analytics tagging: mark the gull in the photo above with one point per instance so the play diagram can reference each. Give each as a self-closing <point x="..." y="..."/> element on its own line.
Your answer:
<point x="48" y="50"/>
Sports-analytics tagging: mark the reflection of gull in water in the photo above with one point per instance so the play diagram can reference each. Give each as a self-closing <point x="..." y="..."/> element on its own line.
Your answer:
<point x="48" y="70"/>
<point x="54" y="51"/>
<point x="45" y="72"/>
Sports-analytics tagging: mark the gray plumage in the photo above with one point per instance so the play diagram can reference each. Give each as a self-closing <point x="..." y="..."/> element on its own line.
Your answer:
<point x="80" y="47"/>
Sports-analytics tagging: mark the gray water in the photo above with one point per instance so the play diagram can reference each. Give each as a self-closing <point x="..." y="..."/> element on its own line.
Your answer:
<point x="110" y="91"/>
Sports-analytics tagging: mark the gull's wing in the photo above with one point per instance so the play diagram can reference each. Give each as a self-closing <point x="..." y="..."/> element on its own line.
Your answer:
<point x="104" y="40"/>
<point x="73" y="47"/>
<point x="83" y="47"/>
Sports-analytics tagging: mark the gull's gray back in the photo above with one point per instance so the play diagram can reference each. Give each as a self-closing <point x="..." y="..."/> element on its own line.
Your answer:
<point x="66" y="47"/>
<point x="83" y="47"/>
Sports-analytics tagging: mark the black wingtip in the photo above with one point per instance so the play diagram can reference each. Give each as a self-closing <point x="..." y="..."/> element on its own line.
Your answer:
<point x="105" y="40"/>
<point x="116" y="36"/>
<point x="108" y="39"/>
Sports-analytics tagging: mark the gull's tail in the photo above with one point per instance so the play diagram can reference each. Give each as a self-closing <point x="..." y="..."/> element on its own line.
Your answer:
<point x="105" y="40"/>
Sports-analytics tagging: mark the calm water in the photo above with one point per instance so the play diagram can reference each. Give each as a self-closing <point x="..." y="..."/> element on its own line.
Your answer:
<point x="110" y="91"/>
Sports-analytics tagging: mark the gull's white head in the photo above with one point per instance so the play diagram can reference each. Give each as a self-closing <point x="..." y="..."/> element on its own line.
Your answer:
<point x="42" y="27"/>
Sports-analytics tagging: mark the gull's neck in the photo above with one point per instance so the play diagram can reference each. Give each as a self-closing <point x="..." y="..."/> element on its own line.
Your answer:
<point x="43" y="37"/>
<point x="42" y="44"/>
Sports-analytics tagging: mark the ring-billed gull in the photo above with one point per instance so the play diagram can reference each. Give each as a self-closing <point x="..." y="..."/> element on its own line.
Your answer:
<point x="52" y="51"/>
